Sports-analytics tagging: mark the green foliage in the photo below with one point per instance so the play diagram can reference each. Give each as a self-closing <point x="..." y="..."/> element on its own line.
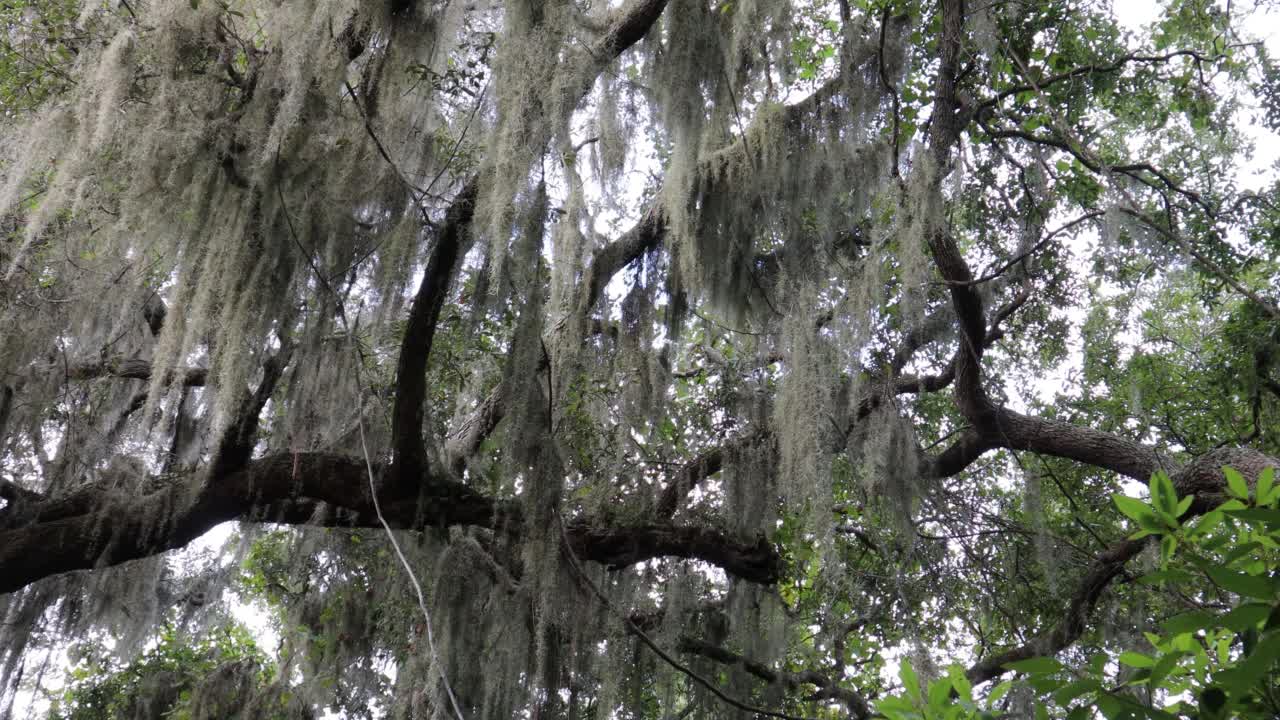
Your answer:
<point x="38" y="44"/>
<point x="1220" y="660"/>
<point x="164" y="680"/>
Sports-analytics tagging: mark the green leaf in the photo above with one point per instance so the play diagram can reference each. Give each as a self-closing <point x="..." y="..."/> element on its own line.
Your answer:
<point x="896" y="707"/>
<point x="1242" y="677"/>
<point x="964" y="689"/>
<point x="1184" y="505"/>
<point x="939" y="693"/>
<point x="1212" y="699"/>
<point x="1253" y="586"/>
<point x="1136" y="659"/>
<point x="1245" y="616"/>
<point x="1167" y="575"/>
<point x="1045" y="684"/>
<point x="1133" y="508"/>
<point x="1266" y="481"/>
<point x="1257" y="516"/>
<point x="1163" y="496"/>
<point x="1240" y="551"/>
<point x="1236" y="485"/>
<point x="998" y="692"/>
<point x="1163" y="667"/>
<point x="1035" y="665"/>
<point x="1075" y="690"/>
<point x="1207" y="522"/>
<point x="910" y="681"/>
<point x="1110" y="706"/>
<point x="1187" y="622"/>
<point x="1137" y="511"/>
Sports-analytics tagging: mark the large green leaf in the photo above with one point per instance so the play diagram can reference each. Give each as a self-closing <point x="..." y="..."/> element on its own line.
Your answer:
<point x="1253" y="586"/>
<point x="1035" y="665"/>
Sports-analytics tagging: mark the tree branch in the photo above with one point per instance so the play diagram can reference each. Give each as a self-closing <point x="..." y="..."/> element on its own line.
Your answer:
<point x="136" y="369"/>
<point x="1202" y="479"/>
<point x="827" y="688"/>
<point x="630" y="25"/>
<point x="409" y="412"/>
<point x="237" y="441"/>
<point x="98" y="527"/>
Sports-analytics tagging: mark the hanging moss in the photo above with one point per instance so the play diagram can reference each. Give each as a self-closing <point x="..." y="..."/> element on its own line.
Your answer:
<point x="297" y="211"/>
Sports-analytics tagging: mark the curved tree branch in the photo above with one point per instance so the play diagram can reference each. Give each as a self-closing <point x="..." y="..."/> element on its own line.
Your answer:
<point x="135" y="369"/>
<point x="98" y="527"/>
<point x="1202" y="479"/>
<point x="827" y="689"/>
<point x="629" y="25"/>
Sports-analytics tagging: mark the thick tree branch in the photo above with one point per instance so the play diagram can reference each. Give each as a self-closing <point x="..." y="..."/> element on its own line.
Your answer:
<point x="15" y="493"/>
<point x="995" y="426"/>
<point x="629" y="25"/>
<point x="464" y="440"/>
<point x="237" y="441"/>
<point x="6" y="408"/>
<point x="1093" y="447"/>
<point x="607" y="261"/>
<point x="965" y="450"/>
<point x="1103" y="570"/>
<point x="98" y="527"/>
<point x="687" y="478"/>
<point x="646" y="235"/>
<point x="409" y="412"/>
<point x="136" y="369"/>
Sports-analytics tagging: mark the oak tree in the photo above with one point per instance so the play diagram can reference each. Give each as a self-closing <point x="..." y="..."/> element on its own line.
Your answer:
<point x="653" y="358"/>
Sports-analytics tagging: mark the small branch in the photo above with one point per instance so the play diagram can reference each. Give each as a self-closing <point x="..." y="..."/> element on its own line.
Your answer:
<point x="1116" y="66"/>
<point x="827" y="689"/>
<point x="993" y="274"/>
<point x="1206" y="262"/>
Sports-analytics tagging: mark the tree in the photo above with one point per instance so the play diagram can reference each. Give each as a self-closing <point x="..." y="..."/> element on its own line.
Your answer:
<point x="663" y="358"/>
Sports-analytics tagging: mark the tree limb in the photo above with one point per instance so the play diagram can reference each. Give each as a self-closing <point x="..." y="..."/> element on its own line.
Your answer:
<point x="409" y="412"/>
<point x="135" y="369"/>
<point x="98" y="527"/>
<point x="1202" y="479"/>
<point x="630" y="24"/>
<point x="827" y="688"/>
